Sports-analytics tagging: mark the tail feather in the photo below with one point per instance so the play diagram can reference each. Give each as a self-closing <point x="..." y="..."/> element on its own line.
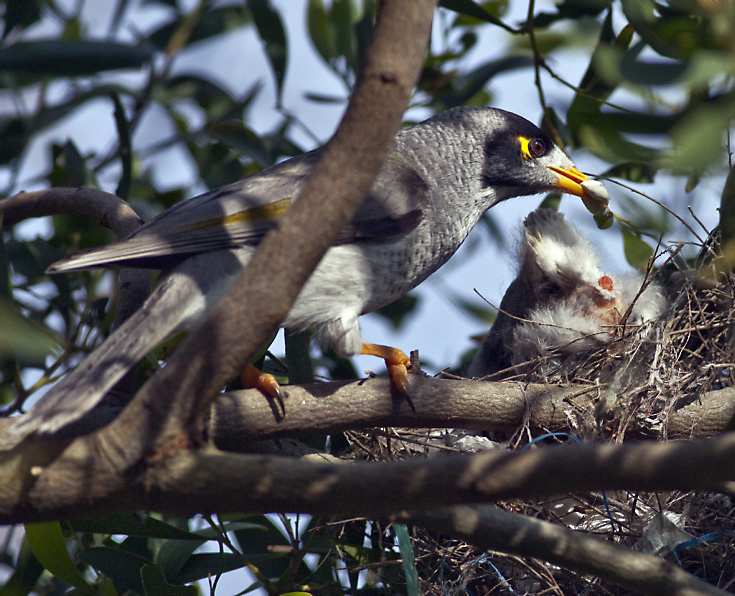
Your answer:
<point x="174" y="301"/>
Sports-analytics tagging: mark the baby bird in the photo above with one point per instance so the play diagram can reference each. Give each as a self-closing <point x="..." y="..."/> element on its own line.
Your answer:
<point x="561" y="303"/>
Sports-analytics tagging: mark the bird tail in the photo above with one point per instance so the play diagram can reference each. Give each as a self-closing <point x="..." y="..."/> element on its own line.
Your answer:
<point x="174" y="301"/>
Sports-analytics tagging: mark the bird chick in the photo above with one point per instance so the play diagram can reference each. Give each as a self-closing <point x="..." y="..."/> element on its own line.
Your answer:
<point x="561" y="303"/>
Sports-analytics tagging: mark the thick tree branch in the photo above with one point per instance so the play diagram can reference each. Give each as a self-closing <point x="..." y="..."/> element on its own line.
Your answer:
<point x="240" y="417"/>
<point x="489" y="528"/>
<point x="111" y="211"/>
<point x="207" y="480"/>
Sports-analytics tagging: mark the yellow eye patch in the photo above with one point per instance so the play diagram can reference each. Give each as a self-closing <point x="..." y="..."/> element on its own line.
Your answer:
<point x="525" y="151"/>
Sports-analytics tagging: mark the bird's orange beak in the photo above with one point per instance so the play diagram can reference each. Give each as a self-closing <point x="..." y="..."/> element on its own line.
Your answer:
<point x="592" y="192"/>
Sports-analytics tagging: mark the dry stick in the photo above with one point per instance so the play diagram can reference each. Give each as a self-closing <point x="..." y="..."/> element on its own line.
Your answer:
<point x="489" y="528"/>
<point x="164" y="412"/>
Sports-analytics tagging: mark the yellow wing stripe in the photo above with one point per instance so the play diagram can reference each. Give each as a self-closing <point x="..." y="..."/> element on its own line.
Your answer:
<point x="269" y="211"/>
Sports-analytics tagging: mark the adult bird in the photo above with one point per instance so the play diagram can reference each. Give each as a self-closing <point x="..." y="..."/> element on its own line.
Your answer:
<point x="434" y="186"/>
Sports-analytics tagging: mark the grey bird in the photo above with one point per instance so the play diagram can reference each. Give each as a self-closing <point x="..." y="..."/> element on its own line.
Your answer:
<point x="439" y="179"/>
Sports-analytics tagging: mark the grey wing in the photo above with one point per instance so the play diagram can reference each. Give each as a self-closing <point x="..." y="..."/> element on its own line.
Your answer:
<point x="241" y="213"/>
<point x="393" y="206"/>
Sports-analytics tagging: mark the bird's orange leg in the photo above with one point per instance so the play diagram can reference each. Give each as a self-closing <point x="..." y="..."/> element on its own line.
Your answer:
<point x="252" y="378"/>
<point x="397" y="363"/>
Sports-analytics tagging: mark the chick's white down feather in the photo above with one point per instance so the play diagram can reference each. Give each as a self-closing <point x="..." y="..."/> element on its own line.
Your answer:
<point x="562" y="303"/>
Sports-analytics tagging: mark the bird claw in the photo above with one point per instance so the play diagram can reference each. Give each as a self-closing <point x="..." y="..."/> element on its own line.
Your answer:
<point x="253" y="378"/>
<point x="397" y="364"/>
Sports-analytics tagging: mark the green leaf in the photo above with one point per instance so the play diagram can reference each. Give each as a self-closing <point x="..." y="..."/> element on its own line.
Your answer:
<point x="595" y="87"/>
<point x="671" y="34"/>
<point x="572" y="9"/>
<point x="637" y="251"/>
<point x="468" y="85"/>
<point x="202" y="565"/>
<point x="611" y="146"/>
<point x="634" y="172"/>
<point x="397" y="312"/>
<point x="23" y="338"/>
<point x="155" y="584"/>
<point x="131" y="524"/>
<point x="173" y="554"/>
<point x="73" y="58"/>
<point x="20" y="14"/>
<point x="236" y="135"/>
<point x="321" y="33"/>
<point x="472" y="9"/>
<point x="409" y="560"/>
<point x="120" y="565"/>
<point x="271" y="31"/>
<point x="699" y="138"/>
<point x="642" y="72"/>
<point x="49" y="546"/>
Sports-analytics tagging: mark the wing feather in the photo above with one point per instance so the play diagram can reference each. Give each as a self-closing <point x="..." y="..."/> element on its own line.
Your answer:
<point x="241" y="213"/>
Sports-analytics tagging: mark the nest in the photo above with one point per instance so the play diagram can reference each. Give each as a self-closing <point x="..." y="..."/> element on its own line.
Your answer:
<point x="649" y="372"/>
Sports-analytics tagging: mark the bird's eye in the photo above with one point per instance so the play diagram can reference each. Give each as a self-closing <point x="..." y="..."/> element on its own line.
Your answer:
<point x="537" y="147"/>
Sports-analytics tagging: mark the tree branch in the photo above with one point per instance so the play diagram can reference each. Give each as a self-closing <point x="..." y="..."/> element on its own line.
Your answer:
<point x="240" y="417"/>
<point x="489" y="528"/>
<point x="205" y="480"/>
<point x="111" y="211"/>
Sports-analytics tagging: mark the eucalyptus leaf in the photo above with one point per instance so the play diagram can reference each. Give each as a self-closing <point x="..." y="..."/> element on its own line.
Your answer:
<point x="20" y="14"/>
<point x="472" y="9"/>
<point x="699" y="139"/>
<point x="637" y="251"/>
<point x="272" y="32"/>
<point x="321" y="33"/>
<point x="214" y="21"/>
<point x="409" y="560"/>
<point x="23" y="338"/>
<point x="121" y="566"/>
<point x="73" y="58"/>
<point x="49" y="546"/>
<point x="155" y="583"/>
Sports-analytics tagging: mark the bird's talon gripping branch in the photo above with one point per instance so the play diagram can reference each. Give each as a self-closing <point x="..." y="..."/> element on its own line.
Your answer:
<point x="252" y="378"/>
<point x="397" y="363"/>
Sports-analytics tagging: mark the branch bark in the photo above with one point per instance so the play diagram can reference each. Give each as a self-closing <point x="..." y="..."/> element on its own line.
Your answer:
<point x="187" y="481"/>
<point x="111" y="211"/>
<point x="240" y="417"/>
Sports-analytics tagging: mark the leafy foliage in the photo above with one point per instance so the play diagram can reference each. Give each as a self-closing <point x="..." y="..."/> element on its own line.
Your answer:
<point x="655" y="100"/>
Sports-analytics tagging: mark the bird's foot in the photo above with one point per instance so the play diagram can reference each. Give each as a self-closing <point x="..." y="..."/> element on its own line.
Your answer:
<point x="253" y="378"/>
<point x="397" y="363"/>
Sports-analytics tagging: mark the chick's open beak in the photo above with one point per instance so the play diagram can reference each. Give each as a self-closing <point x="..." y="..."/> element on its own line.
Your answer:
<point x="592" y="192"/>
